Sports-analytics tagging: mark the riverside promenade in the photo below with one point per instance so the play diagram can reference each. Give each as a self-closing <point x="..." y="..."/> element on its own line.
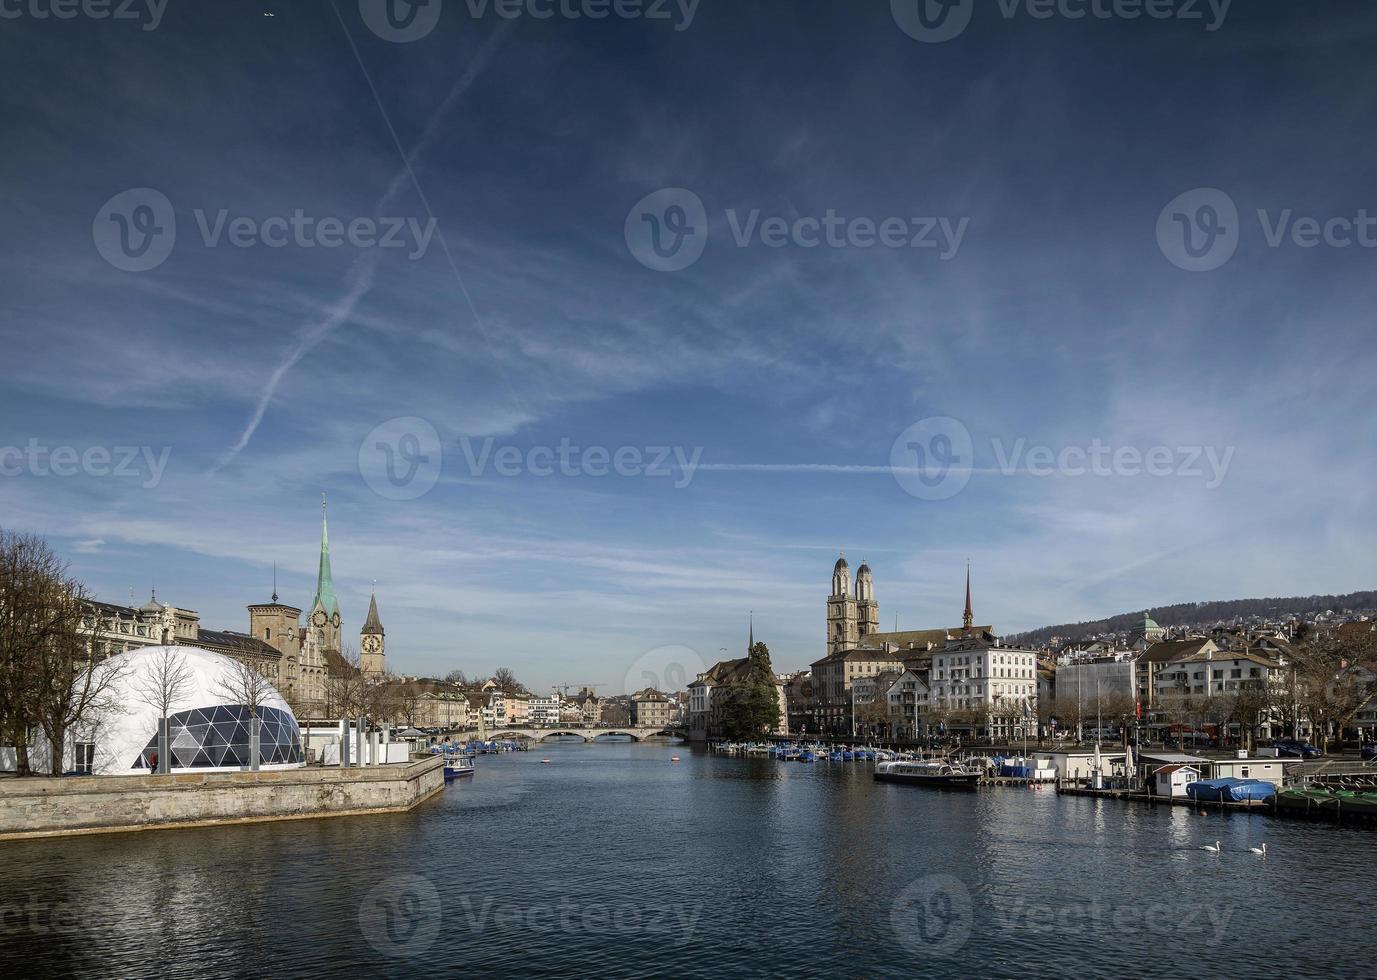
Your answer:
<point x="68" y="805"/>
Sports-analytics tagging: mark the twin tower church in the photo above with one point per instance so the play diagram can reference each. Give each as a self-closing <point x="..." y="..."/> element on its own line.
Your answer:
<point x="853" y="615"/>
<point x="312" y="651"/>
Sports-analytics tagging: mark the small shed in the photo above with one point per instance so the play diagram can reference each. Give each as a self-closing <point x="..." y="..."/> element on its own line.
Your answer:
<point x="1171" y="780"/>
<point x="1072" y="766"/>
<point x="1269" y="770"/>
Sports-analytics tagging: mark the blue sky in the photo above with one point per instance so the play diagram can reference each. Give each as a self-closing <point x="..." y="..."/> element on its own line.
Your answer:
<point x="787" y="373"/>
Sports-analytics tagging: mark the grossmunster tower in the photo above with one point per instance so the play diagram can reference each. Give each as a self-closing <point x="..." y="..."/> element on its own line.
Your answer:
<point x="851" y="615"/>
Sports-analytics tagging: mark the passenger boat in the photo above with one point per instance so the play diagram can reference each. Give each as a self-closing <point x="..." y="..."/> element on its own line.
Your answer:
<point x="939" y="774"/>
<point x="457" y="765"/>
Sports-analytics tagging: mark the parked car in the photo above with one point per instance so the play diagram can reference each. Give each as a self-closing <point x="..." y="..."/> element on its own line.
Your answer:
<point x="1194" y="737"/>
<point x="1295" y="749"/>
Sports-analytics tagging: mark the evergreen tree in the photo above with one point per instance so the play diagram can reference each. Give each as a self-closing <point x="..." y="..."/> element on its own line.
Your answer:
<point x="750" y="705"/>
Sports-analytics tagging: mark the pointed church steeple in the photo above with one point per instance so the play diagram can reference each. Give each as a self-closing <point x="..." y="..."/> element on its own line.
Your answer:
<point x="372" y="626"/>
<point x="325" y="583"/>
<point x="968" y="617"/>
<point x="750" y="636"/>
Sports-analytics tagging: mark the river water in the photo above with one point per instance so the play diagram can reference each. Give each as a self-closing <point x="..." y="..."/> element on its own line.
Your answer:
<point x="614" y="861"/>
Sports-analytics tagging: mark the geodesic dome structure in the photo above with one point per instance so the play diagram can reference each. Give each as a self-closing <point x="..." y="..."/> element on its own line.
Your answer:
<point x="207" y="730"/>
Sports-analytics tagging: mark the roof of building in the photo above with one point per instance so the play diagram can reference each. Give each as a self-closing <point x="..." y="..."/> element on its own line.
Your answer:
<point x="1203" y="656"/>
<point x="1169" y="758"/>
<point x="337" y="666"/>
<point x="275" y="605"/>
<point x="1171" y="650"/>
<point x="372" y="625"/>
<point x="724" y="672"/>
<point x="1176" y="767"/>
<point x="857" y="655"/>
<point x="234" y="644"/>
<point x="921" y="639"/>
<point x="132" y="612"/>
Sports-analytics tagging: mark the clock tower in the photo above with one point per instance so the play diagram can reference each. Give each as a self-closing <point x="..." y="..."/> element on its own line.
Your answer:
<point x="372" y="642"/>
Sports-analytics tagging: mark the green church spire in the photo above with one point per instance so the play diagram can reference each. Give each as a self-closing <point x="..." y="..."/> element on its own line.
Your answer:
<point x="325" y="584"/>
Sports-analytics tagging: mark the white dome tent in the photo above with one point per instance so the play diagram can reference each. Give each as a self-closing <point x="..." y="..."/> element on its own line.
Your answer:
<point x="208" y="725"/>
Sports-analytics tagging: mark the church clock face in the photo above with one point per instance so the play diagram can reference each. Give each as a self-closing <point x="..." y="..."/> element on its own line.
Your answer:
<point x="334" y="620"/>
<point x="370" y="644"/>
<point x="318" y="619"/>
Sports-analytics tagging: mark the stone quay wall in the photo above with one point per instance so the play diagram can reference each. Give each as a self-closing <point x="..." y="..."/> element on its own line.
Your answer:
<point x="53" y="807"/>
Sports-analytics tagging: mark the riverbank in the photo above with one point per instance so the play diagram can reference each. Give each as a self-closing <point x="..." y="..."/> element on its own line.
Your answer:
<point x="72" y="805"/>
<point x="1293" y="804"/>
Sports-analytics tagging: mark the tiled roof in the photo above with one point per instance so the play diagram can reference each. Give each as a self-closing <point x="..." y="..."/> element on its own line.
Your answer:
<point x="858" y="655"/>
<point x="910" y="639"/>
<point x="234" y="644"/>
<point x="1169" y="651"/>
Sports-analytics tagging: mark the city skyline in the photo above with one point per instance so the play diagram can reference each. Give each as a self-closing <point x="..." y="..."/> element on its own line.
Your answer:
<point x="782" y="383"/>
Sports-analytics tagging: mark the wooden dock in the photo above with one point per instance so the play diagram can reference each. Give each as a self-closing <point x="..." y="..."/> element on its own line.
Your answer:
<point x="1324" y="813"/>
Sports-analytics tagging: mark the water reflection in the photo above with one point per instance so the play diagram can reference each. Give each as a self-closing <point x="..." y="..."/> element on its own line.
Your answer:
<point x="612" y="860"/>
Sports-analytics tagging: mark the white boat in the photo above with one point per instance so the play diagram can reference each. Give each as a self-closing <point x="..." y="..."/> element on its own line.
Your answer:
<point x="938" y="774"/>
<point x="457" y="765"/>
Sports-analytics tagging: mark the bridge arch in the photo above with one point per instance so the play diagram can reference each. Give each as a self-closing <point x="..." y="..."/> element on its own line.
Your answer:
<point x="588" y="734"/>
<point x="543" y="735"/>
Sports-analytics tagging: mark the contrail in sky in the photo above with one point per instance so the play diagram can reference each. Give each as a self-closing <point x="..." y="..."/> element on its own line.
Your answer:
<point x="359" y="280"/>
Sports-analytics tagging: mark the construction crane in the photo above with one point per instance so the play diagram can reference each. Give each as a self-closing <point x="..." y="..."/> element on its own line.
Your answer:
<point x="564" y="688"/>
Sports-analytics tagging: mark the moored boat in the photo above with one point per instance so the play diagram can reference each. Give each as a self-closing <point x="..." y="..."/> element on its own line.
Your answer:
<point x="457" y="765"/>
<point x="938" y="774"/>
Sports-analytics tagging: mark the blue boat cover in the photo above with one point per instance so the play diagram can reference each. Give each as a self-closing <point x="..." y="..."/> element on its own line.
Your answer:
<point x="1230" y="790"/>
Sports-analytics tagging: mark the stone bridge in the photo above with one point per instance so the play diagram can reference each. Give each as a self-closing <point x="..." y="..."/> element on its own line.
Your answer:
<point x="590" y="734"/>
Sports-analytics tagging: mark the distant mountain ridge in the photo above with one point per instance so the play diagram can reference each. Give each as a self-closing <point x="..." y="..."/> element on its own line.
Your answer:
<point x="1201" y="614"/>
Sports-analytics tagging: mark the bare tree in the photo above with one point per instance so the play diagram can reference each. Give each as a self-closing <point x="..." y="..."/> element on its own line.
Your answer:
<point x="1334" y="678"/>
<point x="165" y="682"/>
<point x="75" y="695"/>
<point x="615" y="716"/>
<point x="385" y="699"/>
<point x="1252" y="707"/>
<point x="345" y="690"/>
<point x="458" y="678"/>
<point x="244" y="685"/>
<point x="506" y="681"/>
<point x="45" y="683"/>
<point x="1178" y="708"/>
